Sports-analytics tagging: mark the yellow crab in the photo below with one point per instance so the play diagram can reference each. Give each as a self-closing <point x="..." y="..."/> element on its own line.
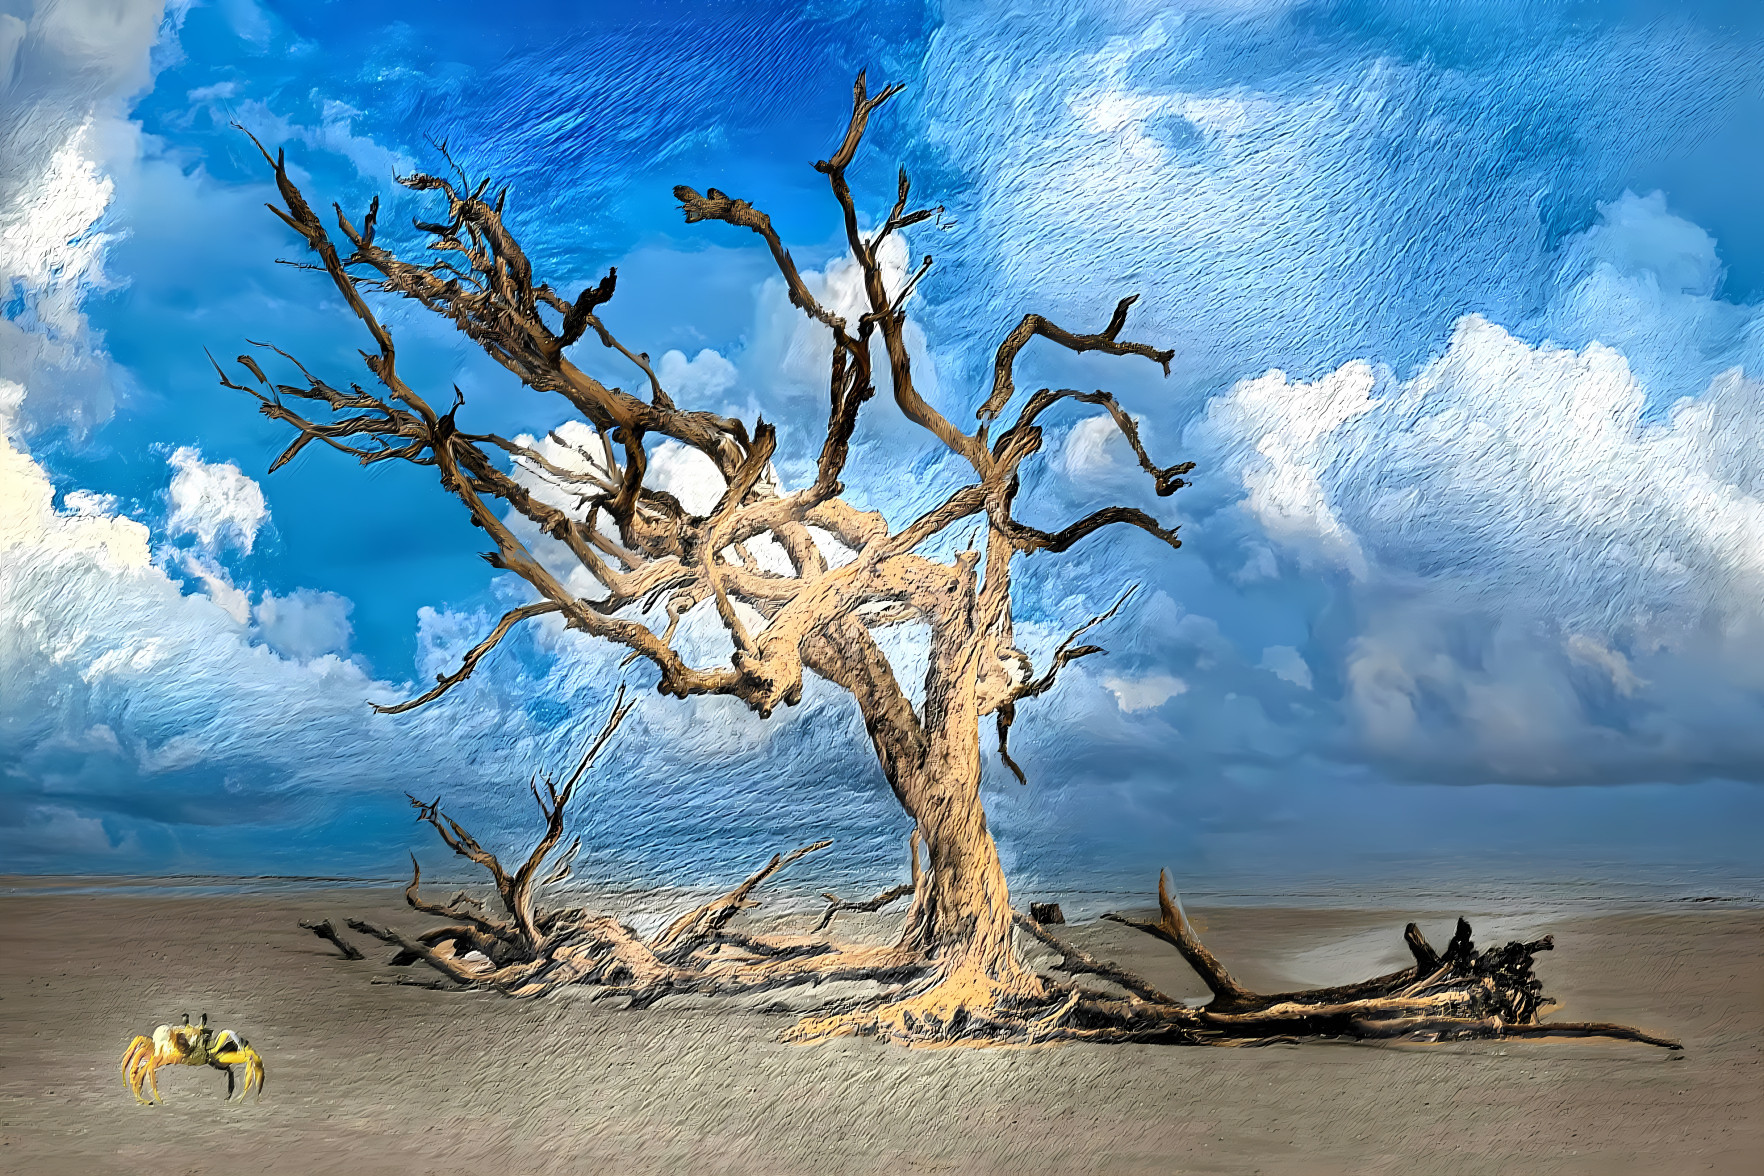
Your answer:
<point x="190" y="1045"/>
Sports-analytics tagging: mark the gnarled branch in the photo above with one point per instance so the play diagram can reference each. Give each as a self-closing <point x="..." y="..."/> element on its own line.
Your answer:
<point x="446" y="682"/>
<point x="1107" y="341"/>
<point x="1172" y="927"/>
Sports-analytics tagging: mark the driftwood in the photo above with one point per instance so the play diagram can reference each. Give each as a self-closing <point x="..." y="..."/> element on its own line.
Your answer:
<point x="526" y="950"/>
<point x="1455" y="995"/>
<point x="328" y="932"/>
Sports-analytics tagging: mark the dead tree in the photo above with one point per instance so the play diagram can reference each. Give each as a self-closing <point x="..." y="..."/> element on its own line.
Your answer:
<point x="835" y="575"/>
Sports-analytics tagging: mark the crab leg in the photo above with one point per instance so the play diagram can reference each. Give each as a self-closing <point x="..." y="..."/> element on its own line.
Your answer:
<point x="133" y="1058"/>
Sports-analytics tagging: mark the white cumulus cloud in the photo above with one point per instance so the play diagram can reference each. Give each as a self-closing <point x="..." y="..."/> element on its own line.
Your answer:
<point x="1287" y="427"/>
<point x="66" y="71"/>
<point x="698" y="380"/>
<point x="305" y="623"/>
<point x="1521" y="535"/>
<point x="1096" y="452"/>
<point x="214" y="501"/>
<point x="178" y="693"/>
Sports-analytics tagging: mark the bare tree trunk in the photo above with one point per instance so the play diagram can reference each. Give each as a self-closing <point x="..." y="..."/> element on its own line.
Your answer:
<point x="965" y="919"/>
<point x="961" y="923"/>
<point x="962" y="914"/>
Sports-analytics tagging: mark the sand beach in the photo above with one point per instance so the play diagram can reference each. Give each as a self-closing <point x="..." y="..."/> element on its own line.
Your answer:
<point x="371" y="1077"/>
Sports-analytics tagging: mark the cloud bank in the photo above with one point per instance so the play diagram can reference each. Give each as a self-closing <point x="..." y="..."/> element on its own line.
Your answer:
<point x="1545" y="578"/>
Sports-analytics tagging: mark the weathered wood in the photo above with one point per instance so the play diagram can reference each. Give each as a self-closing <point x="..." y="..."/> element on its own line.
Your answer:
<point x="1173" y="929"/>
<point x="1426" y="959"/>
<point x="835" y="904"/>
<point x="328" y="932"/>
<point x="1588" y="1029"/>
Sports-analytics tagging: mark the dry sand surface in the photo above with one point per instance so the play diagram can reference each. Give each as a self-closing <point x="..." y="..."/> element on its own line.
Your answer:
<point x="381" y="1078"/>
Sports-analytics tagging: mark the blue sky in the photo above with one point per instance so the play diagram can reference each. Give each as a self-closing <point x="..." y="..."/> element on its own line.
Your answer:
<point x="1465" y="299"/>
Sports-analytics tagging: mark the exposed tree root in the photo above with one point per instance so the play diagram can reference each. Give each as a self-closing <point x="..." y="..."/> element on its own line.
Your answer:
<point x="695" y="954"/>
<point x="938" y="987"/>
<point x="1456" y="994"/>
<point x="526" y="950"/>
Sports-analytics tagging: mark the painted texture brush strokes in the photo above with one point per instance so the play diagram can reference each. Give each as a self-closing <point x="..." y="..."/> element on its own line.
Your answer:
<point x="1307" y="447"/>
<point x="1462" y="305"/>
<point x="800" y="581"/>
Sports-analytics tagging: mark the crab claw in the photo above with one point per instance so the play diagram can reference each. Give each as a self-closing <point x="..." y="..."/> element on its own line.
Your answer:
<point x="230" y="1050"/>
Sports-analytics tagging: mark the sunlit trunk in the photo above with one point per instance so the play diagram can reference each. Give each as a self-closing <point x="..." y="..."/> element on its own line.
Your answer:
<point x="962" y="914"/>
